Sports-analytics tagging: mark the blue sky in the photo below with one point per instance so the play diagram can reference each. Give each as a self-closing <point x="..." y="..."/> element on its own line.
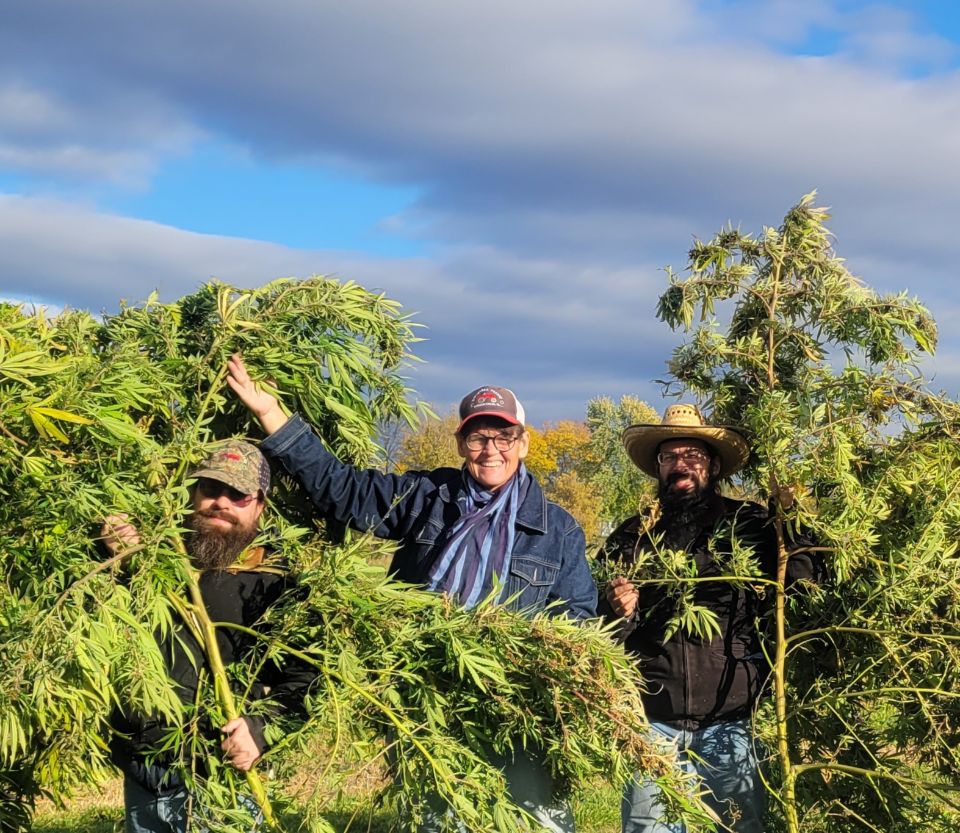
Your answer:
<point x="517" y="175"/>
<point x="216" y="188"/>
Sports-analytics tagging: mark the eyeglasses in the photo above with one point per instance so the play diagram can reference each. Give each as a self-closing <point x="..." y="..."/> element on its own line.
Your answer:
<point x="501" y="442"/>
<point x="214" y="488"/>
<point x="692" y="457"/>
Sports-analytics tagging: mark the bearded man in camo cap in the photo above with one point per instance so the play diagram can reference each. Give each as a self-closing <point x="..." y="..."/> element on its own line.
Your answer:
<point x="239" y="581"/>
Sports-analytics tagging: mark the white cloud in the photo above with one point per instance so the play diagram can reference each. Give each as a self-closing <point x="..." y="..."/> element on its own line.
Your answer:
<point x="74" y="161"/>
<point x="540" y="330"/>
<point x="116" y="138"/>
<point x="883" y="37"/>
<point x="27" y="111"/>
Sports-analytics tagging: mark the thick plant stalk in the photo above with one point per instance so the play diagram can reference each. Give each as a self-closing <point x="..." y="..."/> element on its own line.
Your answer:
<point x="788" y="795"/>
<point x="222" y="688"/>
<point x="209" y="640"/>
<point x="788" y="790"/>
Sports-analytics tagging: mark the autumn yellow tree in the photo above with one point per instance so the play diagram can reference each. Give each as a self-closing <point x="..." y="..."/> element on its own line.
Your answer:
<point x="622" y="489"/>
<point x="432" y="445"/>
<point x="558" y="452"/>
<point x="556" y="448"/>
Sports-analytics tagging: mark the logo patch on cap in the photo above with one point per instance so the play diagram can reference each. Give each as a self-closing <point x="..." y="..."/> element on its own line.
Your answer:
<point x="485" y="397"/>
<point x="238" y="464"/>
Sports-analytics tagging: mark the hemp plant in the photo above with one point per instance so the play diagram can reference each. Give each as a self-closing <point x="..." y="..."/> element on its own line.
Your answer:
<point x="849" y="445"/>
<point x="100" y="416"/>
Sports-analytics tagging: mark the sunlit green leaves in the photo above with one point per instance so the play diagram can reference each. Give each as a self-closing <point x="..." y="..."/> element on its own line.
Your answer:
<point x="820" y="371"/>
<point x="106" y="416"/>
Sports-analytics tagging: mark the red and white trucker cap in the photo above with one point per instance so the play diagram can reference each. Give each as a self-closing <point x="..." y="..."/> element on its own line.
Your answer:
<point x="491" y="401"/>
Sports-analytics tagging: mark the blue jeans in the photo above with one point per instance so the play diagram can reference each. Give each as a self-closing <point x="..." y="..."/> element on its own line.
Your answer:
<point x="530" y="786"/>
<point x="150" y="812"/>
<point x="147" y="811"/>
<point x="724" y="755"/>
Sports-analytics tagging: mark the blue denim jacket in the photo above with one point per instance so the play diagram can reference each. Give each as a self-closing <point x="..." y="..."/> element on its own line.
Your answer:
<point x="417" y="508"/>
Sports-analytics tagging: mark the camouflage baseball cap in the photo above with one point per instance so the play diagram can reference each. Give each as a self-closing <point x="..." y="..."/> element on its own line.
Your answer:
<point x="238" y="464"/>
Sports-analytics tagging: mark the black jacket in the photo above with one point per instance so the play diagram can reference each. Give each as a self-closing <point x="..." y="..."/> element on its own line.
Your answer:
<point x="693" y="682"/>
<point x="237" y="596"/>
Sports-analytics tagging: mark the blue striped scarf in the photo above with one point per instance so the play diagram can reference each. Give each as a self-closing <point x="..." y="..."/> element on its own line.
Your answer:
<point x="480" y="544"/>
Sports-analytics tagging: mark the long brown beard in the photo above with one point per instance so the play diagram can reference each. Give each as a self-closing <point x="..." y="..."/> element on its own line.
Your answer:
<point x="216" y="549"/>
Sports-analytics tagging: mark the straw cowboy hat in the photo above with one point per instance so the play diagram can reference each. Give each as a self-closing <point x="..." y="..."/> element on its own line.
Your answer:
<point x="685" y="422"/>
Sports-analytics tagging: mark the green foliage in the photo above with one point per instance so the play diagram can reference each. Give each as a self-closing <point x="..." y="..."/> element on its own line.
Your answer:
<point x="448" y="687"/>
<point x="821" y="373"/>
<point x="623" y="489"/>
<point x="99" y="417"/>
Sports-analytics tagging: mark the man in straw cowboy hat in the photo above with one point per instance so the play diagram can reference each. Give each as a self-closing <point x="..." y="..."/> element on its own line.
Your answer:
<point x="700" y="689"/>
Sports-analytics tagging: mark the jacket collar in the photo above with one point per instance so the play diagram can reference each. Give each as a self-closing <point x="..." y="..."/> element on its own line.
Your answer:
<point x="533" y="511"/>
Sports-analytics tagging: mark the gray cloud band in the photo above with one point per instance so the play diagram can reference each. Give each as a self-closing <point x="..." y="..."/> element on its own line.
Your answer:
<point x="563" y="152"/>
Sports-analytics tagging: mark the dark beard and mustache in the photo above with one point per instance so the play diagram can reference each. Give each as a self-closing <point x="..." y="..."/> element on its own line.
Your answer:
<point x="212" y="548"/>
<point x="685" y="514"/>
